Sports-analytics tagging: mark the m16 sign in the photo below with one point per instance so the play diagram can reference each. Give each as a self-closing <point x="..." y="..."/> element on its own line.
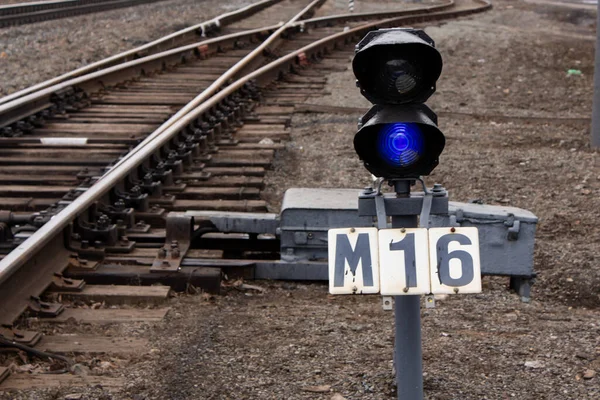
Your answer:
<point x="406" y="261"/>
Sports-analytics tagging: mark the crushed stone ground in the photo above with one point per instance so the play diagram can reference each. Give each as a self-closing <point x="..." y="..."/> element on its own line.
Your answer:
<point x="294" y="338"/>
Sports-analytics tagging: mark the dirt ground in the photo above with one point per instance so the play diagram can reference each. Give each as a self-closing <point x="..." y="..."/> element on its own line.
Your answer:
<point x="517" y="128"/>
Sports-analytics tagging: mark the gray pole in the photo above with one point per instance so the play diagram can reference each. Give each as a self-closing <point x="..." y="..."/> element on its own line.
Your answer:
<point x="408" y="358"/>
<point x="596" y="104"/>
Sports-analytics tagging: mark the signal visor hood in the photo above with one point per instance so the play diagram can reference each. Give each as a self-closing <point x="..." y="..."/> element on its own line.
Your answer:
<point x="397" y="66"/>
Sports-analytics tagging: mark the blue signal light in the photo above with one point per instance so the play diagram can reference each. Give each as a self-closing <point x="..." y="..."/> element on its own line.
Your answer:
<point x="400" y="144"/>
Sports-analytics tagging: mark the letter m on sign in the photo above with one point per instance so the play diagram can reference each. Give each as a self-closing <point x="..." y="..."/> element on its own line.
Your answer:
<point x="353" y="261"/>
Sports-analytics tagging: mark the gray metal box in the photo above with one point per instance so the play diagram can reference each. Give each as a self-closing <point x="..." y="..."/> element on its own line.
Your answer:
<point x="506" y="234"/>
<point x="307" y="215"/>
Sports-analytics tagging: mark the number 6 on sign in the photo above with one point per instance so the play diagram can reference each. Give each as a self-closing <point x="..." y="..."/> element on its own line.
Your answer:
<point x="454" y="256"/>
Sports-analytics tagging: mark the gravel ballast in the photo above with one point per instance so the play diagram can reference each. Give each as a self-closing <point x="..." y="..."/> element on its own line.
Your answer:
<point x="495" y="99"/>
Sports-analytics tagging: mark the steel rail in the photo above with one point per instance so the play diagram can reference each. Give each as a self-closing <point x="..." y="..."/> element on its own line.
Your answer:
<point x="24" y="13"/>
<point x="38" y="240"/>
<point x="97" y="80"/>
<point x="144" y="50"/>
<point x="30" y="103"/>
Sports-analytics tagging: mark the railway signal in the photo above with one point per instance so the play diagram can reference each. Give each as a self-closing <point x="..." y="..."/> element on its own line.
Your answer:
<point x="396" y="70"/>
<point x="430" y="248"/>
<point x="398" y="140"/>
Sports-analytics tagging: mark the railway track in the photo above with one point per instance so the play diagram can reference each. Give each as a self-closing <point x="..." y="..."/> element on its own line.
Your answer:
<point x="100" y="169"/>
<point x="27" y="13"/>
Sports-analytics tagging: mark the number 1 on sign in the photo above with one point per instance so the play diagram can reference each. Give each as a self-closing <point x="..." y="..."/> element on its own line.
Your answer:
<point x="404" y="261"/>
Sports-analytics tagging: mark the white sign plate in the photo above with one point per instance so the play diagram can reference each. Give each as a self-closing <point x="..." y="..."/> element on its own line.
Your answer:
<point x="454" y="257"/>
<point x="404" y="261"/>
<point x="353" y="261"/>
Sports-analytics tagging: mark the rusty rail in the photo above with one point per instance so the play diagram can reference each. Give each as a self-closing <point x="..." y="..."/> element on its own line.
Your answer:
<point x="34" y="102"/>
<point x="153" y="47"/>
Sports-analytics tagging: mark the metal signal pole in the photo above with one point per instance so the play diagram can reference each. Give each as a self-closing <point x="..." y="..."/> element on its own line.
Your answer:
<point x="408" y="358"/>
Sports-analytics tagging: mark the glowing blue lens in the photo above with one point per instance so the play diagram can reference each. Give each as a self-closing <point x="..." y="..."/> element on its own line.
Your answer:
<point x="400" y="144"/>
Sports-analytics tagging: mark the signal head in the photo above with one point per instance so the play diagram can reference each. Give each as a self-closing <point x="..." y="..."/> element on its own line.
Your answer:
<point x="397" y="66"/>
<point x="393" y="149"/>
